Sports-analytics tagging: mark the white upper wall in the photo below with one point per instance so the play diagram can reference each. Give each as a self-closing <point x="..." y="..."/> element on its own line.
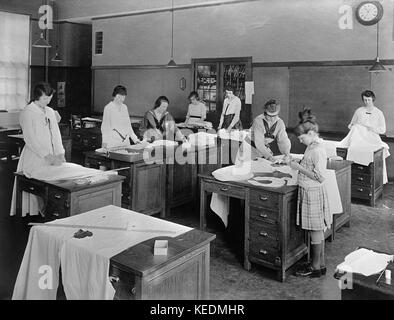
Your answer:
<point x="267" y="30"/>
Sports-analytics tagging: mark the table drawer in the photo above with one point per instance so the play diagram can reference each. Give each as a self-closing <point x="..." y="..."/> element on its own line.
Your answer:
<point x="230" y="191"/>
<point x="359" y="168"/>
<point x="123" y="283"/>
<point x="361" y="179"/>
<point x="264" y="252"/>
<point x="264" y="233"/>
<point x="265" y="199"/>
<point x="363" y="192"/>
<point x="32" y="187"/>
<point x="264" y="215"/>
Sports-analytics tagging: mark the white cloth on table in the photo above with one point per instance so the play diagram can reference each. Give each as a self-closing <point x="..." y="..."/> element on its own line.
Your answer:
<point x="84" y="262"/>
<point x="361" y="144"/>
<point x="237" y="135"/>
<point x="202" y="139"/>
<point x="219" y="203"/>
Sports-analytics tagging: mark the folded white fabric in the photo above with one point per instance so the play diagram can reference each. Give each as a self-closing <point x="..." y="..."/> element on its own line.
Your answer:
<point x="66" y="170"/>
<point x="238" y="135"/>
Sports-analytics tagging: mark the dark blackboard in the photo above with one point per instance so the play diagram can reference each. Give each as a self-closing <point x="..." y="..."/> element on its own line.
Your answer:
<point x="332" y="93"/>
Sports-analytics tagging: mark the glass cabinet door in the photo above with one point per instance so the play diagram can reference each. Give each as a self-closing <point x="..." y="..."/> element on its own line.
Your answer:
<point x="206" y="85"/>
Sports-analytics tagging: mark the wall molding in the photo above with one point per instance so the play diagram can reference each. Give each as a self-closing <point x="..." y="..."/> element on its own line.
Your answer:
<point x="147" y="66"/>
<point x="159" y="10"/>
<point x="328" y="63"/>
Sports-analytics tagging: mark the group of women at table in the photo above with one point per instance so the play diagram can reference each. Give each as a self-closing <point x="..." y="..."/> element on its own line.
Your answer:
<point x="43" y="146"/>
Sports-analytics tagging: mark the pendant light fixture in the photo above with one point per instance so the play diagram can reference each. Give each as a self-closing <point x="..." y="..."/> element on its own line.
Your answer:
<point x="172" y="62"/>
<point x="41" y="42"/>
<point x="377" y="66"/>
<point x="57" y="57"/>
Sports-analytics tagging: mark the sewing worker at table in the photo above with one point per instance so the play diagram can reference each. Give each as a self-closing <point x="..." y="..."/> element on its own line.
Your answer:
<point x="313" y="209"/>
<point x="159" y="124"/>
<point x="230" y="117"/>
<point x="196" y="111"/>
<point x="116" y="126"/>
<point x="43" y="144"/>
<point x="266" y="129"/>
<point x="366" y="126"/>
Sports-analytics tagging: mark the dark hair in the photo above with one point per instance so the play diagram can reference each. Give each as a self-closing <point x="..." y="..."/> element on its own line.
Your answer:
<point x="229" y="87"/>
<point x="368" y="93"/>
<point x="193" y="94"/>
<point x="40" y="89"/>
<point x="119" y="90"/>
<point x="269" y="102"/>
<point x="159" y="100"/>
<point x="307" y="122"/>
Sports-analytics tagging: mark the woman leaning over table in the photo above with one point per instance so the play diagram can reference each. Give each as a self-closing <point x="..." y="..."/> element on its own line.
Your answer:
<point x="43" y="144"/>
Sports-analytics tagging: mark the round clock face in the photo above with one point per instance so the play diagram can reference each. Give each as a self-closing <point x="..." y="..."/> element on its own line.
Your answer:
<point x="369" y="12"/>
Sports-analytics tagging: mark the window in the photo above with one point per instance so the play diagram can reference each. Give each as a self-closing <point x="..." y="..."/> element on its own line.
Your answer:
<point x="14" y="60"/>
<point x="98" y="42"/>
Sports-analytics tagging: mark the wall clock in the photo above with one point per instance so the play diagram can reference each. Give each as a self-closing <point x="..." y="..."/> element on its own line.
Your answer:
<point x="369" y="12"/>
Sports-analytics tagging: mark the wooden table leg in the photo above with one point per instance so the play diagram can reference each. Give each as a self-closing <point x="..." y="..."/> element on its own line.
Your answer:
<point x="203" y="204"/>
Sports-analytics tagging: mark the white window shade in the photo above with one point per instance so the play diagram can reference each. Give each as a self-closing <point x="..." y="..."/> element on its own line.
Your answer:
<point x="14" y="61"/>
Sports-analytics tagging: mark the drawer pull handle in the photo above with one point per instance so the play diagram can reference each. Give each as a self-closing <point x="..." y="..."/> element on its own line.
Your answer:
<point x="262" y="215"/>
<point x="360" y="179"/>
<point x="66" y="204"/>
<point x="133" y="291"/>
<point x="56" y="214"/>
<point x="57" y="196"/>
<point x="263" y="234"/>
<point x="360" y="167"/>
<point x="31" y="188"/>
<point x="360" y="189"/>
<point x="262" y="251"/>
<point x="263" y="198"/>
<point x="113" y="279"/>
<point x="224" y="189"/>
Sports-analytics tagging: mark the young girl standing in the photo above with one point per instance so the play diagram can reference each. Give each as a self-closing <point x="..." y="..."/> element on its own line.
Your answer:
<point x="313" y="212"/>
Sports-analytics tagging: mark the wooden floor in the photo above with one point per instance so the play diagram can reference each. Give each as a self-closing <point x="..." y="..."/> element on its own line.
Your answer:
<point x="370" y="227"/>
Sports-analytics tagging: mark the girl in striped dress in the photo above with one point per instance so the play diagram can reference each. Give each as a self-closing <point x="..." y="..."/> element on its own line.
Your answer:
<point x="313" y="212"/>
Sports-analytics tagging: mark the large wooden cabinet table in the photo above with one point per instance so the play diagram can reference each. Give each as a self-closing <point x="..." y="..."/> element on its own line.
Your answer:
<point x="271" y="236"/>
<point x="120" y="249"/>
<point x="143" y="189"/>
<point x="66" y="198"/>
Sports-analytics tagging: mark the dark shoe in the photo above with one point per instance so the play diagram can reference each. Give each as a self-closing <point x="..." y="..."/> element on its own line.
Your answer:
<point x="308" y="271"/>
<point x="323" y="269"/>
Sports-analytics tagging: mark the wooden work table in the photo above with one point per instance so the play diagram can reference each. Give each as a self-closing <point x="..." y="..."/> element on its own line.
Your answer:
<point x="270" y="234"/>
<point x="65" y="198"/>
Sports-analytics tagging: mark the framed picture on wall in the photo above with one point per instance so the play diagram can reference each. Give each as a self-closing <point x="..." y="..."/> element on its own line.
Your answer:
<point x="61" y="94"/>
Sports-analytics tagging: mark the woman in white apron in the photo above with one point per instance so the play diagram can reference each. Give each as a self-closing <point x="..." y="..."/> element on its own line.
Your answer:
<point x="116" y="127"/>
<point x="43" y="144"/>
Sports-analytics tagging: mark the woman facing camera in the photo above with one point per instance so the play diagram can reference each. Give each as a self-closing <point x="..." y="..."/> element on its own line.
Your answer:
<point x="159" y="124"/>
<point x="230" y="117"/>
<point x="197" y="110"/>
<point x="116" y="127"/>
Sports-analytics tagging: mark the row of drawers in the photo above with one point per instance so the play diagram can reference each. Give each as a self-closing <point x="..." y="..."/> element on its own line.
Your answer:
<point x="264" y="242"/>
<point x="260" y="199"/>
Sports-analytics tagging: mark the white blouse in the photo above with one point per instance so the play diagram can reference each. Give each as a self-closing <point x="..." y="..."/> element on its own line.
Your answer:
<point x="116" y="117"/>
<point x="373" y="118"/>
<point x="197" y="110"/>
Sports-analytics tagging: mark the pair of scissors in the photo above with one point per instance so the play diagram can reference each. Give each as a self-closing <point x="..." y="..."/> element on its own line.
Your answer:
<point x="123" y="138"/>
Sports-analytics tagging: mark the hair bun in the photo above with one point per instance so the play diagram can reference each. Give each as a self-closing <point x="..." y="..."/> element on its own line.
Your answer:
<point x="306" y="116"/>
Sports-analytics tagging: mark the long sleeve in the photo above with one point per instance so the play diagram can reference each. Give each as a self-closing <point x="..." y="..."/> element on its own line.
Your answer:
<point x="106" y="129"/>
<point x="355" y="118"/>
<point x="29" y="122"/>
<point x="283" y="140"/>
<point x="55" y="131"/>
<point x="127" y="124"/>
<point x="203" y="111"/>
<point x="381" y="123"/>
<point x="258" y="131"/>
